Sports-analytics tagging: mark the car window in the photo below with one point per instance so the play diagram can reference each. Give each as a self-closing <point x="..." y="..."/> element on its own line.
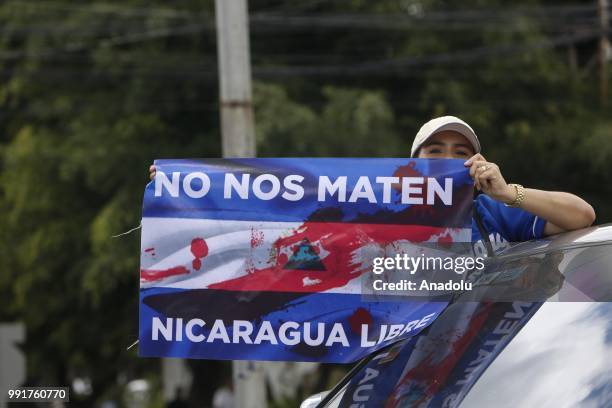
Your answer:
<point x="561" y="358"/>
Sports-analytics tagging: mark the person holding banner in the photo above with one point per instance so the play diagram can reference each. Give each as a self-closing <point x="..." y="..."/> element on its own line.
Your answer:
<point x="504" y="212"/>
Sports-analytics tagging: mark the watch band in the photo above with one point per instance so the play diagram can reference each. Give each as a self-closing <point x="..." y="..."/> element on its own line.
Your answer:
<point x="520" y="195"/>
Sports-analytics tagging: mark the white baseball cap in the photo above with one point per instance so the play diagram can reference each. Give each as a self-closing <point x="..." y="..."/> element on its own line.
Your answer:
<point x="444" y="123"/>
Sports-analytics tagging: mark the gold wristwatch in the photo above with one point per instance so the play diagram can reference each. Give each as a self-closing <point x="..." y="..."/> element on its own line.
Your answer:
<point x="520" y="195"/>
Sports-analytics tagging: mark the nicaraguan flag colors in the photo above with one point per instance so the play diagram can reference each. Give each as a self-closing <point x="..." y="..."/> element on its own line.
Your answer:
<point x="261" y="259"/>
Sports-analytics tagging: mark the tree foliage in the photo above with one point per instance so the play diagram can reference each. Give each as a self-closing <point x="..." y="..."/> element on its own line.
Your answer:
<point x="91" y="93"/>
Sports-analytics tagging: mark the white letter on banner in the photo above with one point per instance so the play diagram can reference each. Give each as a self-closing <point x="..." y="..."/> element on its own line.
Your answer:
<point x="178" y="332"/>
<point x="257" y="186"/>
<point x="325" y="185"/>
<point x="242" y="330"/>
<point x="370" y="374"/>
<point x="161" y="180"/>
<point x="296" y="191"/>
<point x="424" y="320"/>
<point x="294" y="336"/>
<point x="189" y="330"/>
<point x="241" y="187"/>
<point x="387" y="182"/>
<point x="190" y="191"/>
<point x="320" y="333"/>
<point x="218" y="332"/>
<point x="446" y="194"/>
<point x="394" y="331"/>
<point x="363" y="189"/>
<point x="365" y="390"/>
<point x="409" y="327"/>
<point x="407" y="190"/>
<point x="158" y="327"/>
<point x="265" y="333"/>
<point x="337" y="335"/>
<point x="364" y="337"/>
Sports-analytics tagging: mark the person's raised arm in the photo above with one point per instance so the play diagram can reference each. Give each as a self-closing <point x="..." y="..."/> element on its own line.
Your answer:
<point x="562" y="211"/>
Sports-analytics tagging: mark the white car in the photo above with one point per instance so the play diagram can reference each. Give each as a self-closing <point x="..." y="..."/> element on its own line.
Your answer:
<point x="548" y="344"/>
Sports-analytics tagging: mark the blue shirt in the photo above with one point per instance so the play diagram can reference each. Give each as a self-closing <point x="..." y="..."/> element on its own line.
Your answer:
<point x="503" y="224"/>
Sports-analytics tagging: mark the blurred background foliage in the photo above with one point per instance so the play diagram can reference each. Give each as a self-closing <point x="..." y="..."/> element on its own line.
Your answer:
<point x="92" y="92"/>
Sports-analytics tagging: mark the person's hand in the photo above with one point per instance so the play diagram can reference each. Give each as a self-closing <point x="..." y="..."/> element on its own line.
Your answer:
<point x="152" y="171"/>
<point x="488" y="179"/>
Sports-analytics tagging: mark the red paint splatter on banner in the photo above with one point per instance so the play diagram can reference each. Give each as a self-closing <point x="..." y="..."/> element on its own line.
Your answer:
<point x="199" y="249"/>
<point x="339" y="240"/>
<point x="149" y="250"/>
<point x="282" y="259"/>
<point x="256" y="238"/>
<point x="361" y="316"/>
<point x="153" y="275"/>
<point x="410" y="170"/>
<point x="445" y="239"/>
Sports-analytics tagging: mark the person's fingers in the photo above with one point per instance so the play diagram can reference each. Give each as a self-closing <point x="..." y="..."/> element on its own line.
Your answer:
<point x="474" y="158"/>
<point x="476" y="167"/>
<point x="486" y="177"/>
<point x="152" y="171"/>
<point x="482" y="172"/>
<point x="473" y="168"/>
<point x="486" y="186"/>
<point x="482" y="181"/>
<point x="489" y="174"/>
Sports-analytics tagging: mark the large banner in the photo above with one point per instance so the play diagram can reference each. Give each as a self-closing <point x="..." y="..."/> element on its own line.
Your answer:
<point x="261" y="259"/>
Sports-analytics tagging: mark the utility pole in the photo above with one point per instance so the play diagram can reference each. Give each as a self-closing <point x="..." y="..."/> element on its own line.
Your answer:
<point x="238" y="140"/>
<point x="604" y="49"/>
<point x="237" y="125"/>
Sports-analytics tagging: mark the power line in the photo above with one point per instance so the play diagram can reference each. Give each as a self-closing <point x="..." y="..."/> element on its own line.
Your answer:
<point x="380" y="20"/>
<point x="129" y="38"/>
<point x="369" y="67"/>
<point x="107" y="8"/>
<point x="274" y="22"/>
<point x="394" y="22"/>
<point x="103" y="8"/>
<point x="373" y="66"/>
<point x="394" y="64"/>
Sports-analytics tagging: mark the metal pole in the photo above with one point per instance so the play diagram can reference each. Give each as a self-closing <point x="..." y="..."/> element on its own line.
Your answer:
<point x="237" y="127"/>
<point x="238" y="140"/>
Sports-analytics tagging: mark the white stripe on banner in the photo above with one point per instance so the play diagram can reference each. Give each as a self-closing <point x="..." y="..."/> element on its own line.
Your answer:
<point x="206" y="252"/>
